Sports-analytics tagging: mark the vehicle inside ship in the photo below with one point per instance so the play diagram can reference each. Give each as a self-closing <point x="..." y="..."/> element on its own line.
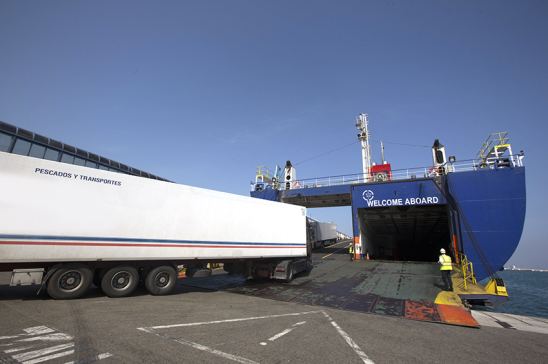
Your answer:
<point x="405" y="233"/>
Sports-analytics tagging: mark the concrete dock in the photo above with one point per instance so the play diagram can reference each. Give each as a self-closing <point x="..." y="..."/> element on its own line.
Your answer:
<point x="199" y="324"/>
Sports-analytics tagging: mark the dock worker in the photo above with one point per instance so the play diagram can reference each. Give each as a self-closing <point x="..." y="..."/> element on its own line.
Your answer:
<point x="351" y="251"/>
<point x="446" y="267"/>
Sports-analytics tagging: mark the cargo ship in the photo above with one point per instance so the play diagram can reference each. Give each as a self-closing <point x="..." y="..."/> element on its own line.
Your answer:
<point x="474" y="209"/>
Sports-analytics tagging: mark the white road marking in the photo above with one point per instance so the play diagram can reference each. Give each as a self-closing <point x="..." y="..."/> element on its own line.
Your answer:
<point x="222" y="354"/>
<point x="93" y="359"/>
<point x="330" y="254"/>
<point x="201" y="347"/>
<point x="53" y="337"/>
<point x="277" y="336"/>
<point x="36" y="353"/>
<point x="359" y="352"/>
<point x="18" y="349"/>
<point x="42" y="335"/>
<point x="150" y="329"/>
<point x="38" y="330"/>
<point x="9" y="337"/>
<point x="103" y="356"/>
<point x="49" y="357"/>
<point x="285" y="332"/>
<point x="349" y="340"/>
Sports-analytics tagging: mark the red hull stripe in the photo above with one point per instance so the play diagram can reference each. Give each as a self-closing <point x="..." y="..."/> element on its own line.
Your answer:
<point x="76" y="243"/>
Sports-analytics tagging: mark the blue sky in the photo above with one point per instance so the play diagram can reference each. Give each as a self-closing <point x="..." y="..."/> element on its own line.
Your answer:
<point x="201" y="92"/>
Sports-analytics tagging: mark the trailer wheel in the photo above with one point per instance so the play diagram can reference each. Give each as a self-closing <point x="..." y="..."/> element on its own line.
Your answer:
<point x="309" y="265"/>
<point x="69" y="281"/>
<point x="119" y="281"/>
<point x="289" y="273"/>
<point x="161" y="280"/>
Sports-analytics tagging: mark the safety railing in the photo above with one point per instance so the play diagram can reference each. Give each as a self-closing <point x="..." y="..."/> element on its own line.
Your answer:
<point x="403" y="174"/>
<point x="264" y="171"/>
<point x="493" y="140"/>
<point x="467" y="269"/>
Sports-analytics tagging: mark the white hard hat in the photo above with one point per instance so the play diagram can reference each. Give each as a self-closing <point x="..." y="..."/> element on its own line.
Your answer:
<point x="442" y="251"/>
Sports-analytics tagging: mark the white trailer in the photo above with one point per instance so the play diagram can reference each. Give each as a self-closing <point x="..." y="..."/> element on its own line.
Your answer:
<point x="64" y="226"/>
<point x="327" y="232"/>
<point x="321" y="234"/>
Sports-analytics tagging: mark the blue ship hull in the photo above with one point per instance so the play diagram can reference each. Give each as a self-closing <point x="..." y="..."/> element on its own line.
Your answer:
<point x="479" y="213"/>
<point x="491" y="205"/>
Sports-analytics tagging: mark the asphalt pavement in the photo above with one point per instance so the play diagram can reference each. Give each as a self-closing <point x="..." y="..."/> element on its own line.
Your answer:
<point x="196" y="325"/>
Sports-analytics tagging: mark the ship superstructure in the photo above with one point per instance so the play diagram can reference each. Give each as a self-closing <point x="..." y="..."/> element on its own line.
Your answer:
<point x="474" y="208"/>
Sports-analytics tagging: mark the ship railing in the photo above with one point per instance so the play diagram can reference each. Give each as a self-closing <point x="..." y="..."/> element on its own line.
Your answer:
<point x="467" y="269"/>
<point x="263" y="174"/>
<point x="402" y="174"/>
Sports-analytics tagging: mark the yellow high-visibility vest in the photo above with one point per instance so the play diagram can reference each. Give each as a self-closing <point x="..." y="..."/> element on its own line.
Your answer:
<point x="446" y="265"/>
<point x="351" y="249"/>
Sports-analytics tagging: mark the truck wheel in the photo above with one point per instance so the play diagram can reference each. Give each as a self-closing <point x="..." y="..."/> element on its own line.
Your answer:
<point x="289" y="273"/>
<point x="161" y="280"/>
<point x="69" y="281"/>
<point x="119" y="281"/>
<point x="309" y="265"/>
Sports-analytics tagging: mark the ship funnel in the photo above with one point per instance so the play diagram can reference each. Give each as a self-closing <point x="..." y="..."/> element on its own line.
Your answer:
<point x="438" y="154"/>
<point x="290" y="175"/>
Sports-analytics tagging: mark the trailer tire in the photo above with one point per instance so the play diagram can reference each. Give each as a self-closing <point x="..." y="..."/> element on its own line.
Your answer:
<point x="309" y="265"/>
<point x="119" y="281"/>
<point x="69" y="281"/>
<point x="161" y="280"/>
<point x="289" y="273"/>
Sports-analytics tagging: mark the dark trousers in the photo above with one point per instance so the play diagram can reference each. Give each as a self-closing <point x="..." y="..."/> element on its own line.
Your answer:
<point x="446" y="276"/>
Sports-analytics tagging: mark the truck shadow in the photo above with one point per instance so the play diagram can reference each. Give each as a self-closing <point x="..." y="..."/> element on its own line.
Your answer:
<point x="29" y="293"/>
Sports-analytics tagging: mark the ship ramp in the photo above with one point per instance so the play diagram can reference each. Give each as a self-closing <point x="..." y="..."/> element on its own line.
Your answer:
<point x="411" y="290"/>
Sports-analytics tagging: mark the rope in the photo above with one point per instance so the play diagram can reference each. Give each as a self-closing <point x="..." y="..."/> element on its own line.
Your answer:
<point x="326" y="153"/>
<point x="404" y="144"/>
<point x="356" y="142"/>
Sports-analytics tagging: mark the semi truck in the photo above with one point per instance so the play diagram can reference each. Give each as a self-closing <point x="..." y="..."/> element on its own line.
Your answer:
<point x="64" y="227"/>
<point x="321" y="234"/>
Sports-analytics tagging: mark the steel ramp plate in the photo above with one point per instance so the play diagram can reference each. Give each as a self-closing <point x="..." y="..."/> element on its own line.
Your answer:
<point x="400" y="289"/>
<point x="421" y="311"/>
<point x="454" y="315"/>
<point x="389" y="306"/>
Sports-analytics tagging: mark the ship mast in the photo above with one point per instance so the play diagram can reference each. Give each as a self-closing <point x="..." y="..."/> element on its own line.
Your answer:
<point x="363" y="137"/>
